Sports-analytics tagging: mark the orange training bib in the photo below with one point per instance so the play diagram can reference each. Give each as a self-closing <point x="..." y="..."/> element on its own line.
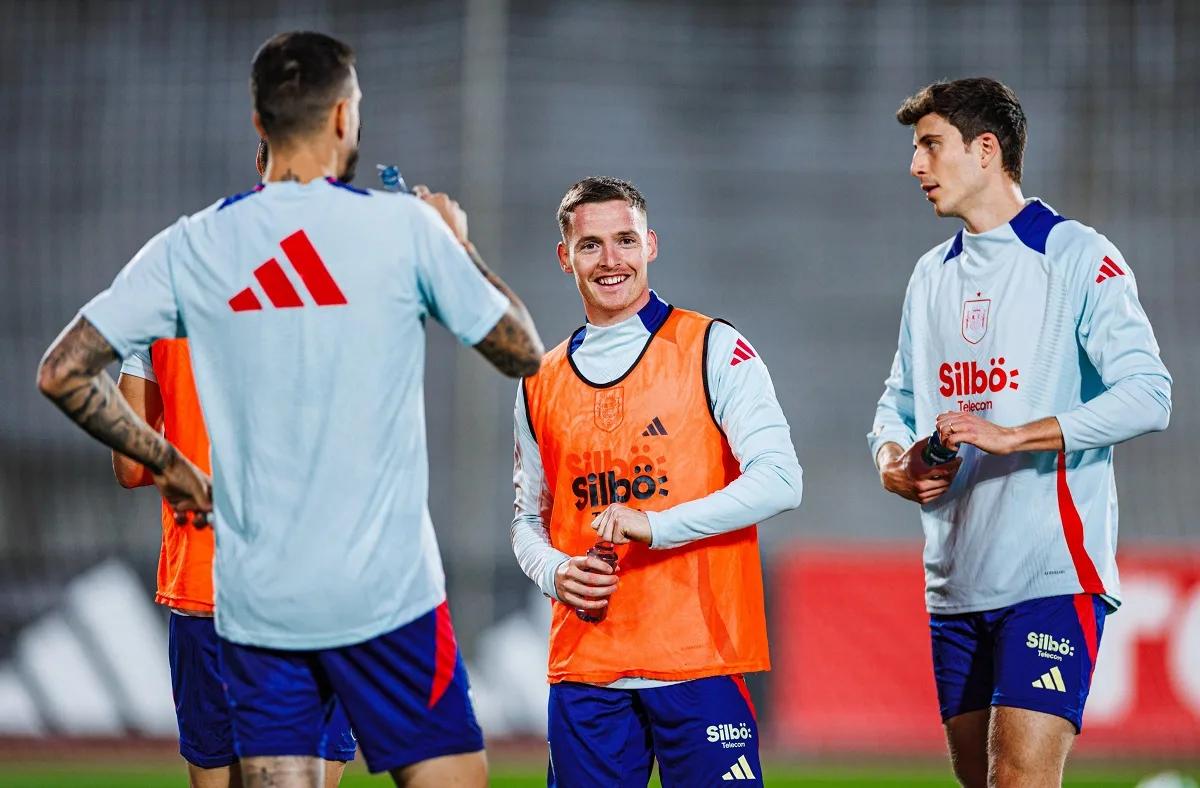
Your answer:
<point x="185" y="562"/>
<point x="648" y="440"/>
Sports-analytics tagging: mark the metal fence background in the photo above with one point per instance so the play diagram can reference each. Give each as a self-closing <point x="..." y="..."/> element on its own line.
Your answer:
<point x="762" y="134"/>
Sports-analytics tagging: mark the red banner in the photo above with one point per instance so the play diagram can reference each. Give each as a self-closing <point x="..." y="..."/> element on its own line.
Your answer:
<point x="853" y="671"/>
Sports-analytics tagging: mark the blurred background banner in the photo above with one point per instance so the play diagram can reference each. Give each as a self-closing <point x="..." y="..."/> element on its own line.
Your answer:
<point x="764" y="138"/>
<point x="853" y="669"/>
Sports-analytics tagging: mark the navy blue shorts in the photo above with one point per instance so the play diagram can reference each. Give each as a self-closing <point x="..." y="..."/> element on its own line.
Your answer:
<point x="1038" y="655"/>
<point x="702" y="732"/>
<point x="202" y="710"/>
<point x="405" y="692"/>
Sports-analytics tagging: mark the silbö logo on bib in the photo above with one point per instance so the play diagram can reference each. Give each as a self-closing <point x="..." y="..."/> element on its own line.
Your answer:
<point x="603" y="479"/>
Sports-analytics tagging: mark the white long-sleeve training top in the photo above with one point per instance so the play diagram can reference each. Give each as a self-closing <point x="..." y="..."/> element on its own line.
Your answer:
<point x="1039" y="317"/>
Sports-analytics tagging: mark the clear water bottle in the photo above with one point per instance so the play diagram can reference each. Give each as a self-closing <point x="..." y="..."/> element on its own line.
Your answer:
<point x="935" y="453"/>
<point x="393" y="181"/>
<point x="606" y="552"/>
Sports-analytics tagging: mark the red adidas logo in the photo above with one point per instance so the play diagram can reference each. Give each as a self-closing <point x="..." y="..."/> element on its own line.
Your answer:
<point x="278" y="288"/>
<point x="1109" y="270"/>
<point x="742" y="352"/>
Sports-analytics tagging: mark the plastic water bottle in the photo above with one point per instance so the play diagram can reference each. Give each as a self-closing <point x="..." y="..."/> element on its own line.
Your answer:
<point x="935" y="453"/>
<point x="393" y="181"/>
<point x="608" y="554"/>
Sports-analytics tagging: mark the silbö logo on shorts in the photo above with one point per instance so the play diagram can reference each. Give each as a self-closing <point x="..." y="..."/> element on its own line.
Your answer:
<point x="730" y="735"/>
<point x="1048" y="647"/>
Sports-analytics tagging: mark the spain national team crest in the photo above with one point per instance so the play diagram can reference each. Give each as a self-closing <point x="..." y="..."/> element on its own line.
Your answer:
<point x="975" y="319"/>
<point x="610" y="408"/>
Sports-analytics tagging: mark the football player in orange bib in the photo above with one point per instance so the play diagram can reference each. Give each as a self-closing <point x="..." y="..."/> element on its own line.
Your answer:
<point x="654" y="433"/>
<point x="160" y="389"/>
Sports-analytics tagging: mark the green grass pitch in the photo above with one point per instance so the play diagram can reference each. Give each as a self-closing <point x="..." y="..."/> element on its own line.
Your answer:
<point x="780" y="776"/>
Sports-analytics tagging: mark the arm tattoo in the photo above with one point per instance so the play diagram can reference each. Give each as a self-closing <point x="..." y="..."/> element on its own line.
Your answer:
<point x="513" y="346"/>
<point x="72" y="375"/>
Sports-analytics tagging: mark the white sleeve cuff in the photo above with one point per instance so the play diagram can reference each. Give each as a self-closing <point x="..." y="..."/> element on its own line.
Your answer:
<point x="898" y="435"/>
<point x="656" y="527"/>
<point x="488" y="320"/>
<point x="138" y="365"/>
<point x="556" y="559"/>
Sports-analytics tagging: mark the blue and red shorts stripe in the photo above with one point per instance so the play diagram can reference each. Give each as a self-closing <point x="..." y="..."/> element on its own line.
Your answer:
<point x="202" y="710"/>
<point x="406" y="694"/>
<point x="1038" y="655"/>
<point x="700" y="732"/>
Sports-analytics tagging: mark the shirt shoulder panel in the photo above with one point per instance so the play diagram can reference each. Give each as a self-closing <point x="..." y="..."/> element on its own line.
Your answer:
<point x="236" y="198"/>
<point x="723" y="344"/>
<point x="955" y="249"/>
<point x="1072" y="242"/>
<point x="352" y="189"/>
<point x="733" y="369"/>
<point x="1034" y="224"/>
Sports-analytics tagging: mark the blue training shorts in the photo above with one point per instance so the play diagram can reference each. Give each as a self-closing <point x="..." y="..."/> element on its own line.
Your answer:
<point x="405" y="692"/>
<point x="202" y="710"/>
<point x="702" y="733"/>
<point x="1038" y="655"/>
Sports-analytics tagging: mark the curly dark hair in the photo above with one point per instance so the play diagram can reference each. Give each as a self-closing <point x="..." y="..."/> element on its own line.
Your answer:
<point x="974" y="106"/>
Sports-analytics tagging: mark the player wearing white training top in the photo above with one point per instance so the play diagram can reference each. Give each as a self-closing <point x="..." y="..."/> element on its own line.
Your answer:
<point x="1023" y="343"/>
<point x="304" y="302"/>
<point x="657" y="429"/>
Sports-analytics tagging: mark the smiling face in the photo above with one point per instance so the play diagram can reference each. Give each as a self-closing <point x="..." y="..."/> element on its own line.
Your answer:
<point x="952" y="173"/>
<point x="607" y="248"/>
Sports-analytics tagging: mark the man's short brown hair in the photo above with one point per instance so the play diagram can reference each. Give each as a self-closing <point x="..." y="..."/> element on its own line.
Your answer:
<point x="974" y="106"/>
<point x="296" y="78"/>
<point x="598" y="188"/>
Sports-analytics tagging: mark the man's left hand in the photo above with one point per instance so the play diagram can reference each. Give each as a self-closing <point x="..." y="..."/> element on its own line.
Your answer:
<point x="620" y="524"/>
<point x="956" y="428"/>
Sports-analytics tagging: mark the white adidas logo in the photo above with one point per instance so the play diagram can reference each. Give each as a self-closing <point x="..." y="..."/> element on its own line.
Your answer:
<point x="1051" y="681"/>
<point x="739" y="771"/>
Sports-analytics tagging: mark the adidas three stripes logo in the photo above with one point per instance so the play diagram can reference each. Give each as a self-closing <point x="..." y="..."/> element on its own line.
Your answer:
<point x="278" y="287"/>
<point x="1109" y="270"/>
<point x="742" y="352"/>
<point x="1052" y="680"/>
<point x="739" y="771"/>
<point x="655" y="428"/>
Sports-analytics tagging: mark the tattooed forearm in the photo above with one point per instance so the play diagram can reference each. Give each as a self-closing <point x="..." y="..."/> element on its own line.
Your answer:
<point x="513" y="346"/>
<point x="72" y="375"/>
<point x="287" y="771"/>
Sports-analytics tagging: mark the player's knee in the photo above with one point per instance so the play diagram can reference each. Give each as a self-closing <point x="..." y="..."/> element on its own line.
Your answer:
<point x="970" y="773"/>
<point x="1022" y="769"/>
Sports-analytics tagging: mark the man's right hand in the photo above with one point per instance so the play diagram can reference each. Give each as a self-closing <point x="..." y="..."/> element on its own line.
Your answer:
<point x="186" y="489"/>
<point x="585" y="582"/>
<point x="452" y="214"/>
<point x="906" y="474"/>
